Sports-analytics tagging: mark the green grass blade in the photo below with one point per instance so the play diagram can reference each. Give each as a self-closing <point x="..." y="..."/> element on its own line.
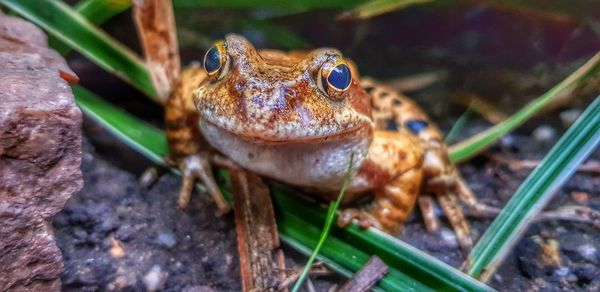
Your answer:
<point x="71" y="28"/>
<point x="277" y="34"/>
<point x="339" y="255"/>
<point x="474" y="145"/>
<point x="299" y="221"/>
<point x="136" y="133"/>
<point x="333" y="207"/>
<point x="459" y="125"/>
<point x="97" y="12"/>
<point x="558" y="165"/>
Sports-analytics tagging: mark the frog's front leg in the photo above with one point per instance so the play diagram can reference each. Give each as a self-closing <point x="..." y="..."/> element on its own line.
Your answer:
<point x="393" y="168"/>
<point x="189" y="152"/>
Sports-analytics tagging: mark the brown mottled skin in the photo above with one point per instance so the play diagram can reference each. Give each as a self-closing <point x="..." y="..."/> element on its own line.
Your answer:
<point x="267" y="112"/>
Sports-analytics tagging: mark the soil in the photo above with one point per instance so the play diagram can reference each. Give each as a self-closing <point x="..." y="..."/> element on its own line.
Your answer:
<point x="115" y="235"/>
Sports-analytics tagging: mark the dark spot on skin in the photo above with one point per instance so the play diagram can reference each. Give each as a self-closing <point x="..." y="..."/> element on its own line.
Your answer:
<point x="258" y="100"/>
<point x="250" y="155"/>
<point x="384" y="94"/>
<point x="369" y="89"/>
<point x="396" y="102"/>
<point x="416" y="126"/>
<point x="391" y="125"/>
<point x="401" y="155"/>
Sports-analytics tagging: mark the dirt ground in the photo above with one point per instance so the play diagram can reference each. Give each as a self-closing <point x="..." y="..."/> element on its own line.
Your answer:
<point x="117" y="236"/>
<point x="114" y="234"/>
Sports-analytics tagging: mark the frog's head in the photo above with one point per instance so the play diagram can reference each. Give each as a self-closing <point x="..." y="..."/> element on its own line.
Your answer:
<point x="273" y="96"/>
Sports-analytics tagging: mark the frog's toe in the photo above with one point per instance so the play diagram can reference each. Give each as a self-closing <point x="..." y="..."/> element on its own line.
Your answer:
<point x="363" y="218"/>
<point x="453" y="211"/>
<point x="476" y="208"/>
<point x="427" y="207"/>
<point x="195" y="167"/>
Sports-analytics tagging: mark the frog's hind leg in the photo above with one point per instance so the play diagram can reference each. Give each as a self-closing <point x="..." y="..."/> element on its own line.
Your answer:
<point x="393" y="111"/>
<point x="188" y="149"/>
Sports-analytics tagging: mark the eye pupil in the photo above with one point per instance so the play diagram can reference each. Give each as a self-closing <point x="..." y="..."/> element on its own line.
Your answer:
<point x="212" y="61"/>
<point x="340" y="77"/>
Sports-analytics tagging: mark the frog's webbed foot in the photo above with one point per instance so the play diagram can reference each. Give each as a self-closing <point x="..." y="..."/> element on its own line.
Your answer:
<point x="363" y="218"/>
<point x="194" y="167"/>
<point x="444" y="181"/>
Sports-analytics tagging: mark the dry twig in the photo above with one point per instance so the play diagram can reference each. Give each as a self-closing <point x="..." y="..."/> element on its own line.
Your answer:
<point x="256" y="230"/>
<point x="155" y="24"/>
<point x="366" y="277"/>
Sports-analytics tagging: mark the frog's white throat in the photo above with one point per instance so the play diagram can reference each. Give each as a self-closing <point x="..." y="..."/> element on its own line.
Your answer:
<point x="321" y="165"/>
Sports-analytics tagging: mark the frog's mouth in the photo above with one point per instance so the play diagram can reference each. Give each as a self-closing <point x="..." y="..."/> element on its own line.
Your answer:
<point x="256" y="137"/>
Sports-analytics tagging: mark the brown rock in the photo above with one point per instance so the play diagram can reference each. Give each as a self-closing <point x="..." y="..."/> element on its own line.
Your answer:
<point x="40" y="154"/>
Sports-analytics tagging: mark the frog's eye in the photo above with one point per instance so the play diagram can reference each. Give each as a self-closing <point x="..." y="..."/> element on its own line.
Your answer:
<point x="335" y="78"/>
<point x="215" y="60"/>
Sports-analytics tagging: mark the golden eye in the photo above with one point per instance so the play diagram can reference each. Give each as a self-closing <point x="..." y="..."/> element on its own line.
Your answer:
<point x="335" y="78"/>
<point x="215" y="59"/>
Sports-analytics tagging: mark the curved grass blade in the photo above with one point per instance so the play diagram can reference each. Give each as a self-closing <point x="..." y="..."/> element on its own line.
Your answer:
<point x="378" y="7"/>
<point x="68" y="26"/>
<point x="345" y="250"/>
<point x="558" y="165"/>
<point x="333" y="206"/>
<point x="474" y="145"/>
<point x="97" y="12"/>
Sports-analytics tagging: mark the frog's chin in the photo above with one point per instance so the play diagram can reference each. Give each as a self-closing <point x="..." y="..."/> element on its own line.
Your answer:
<point x="318" y="164"/>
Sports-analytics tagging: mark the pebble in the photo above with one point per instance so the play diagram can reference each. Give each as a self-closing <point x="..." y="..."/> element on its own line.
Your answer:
<point x="198" y="289"/>
<point x="544" y="134"/>
<point x="562" y="271"/>
<point x="578" y="248"/>
<point x="449" y="237"/>
<point x="588" y="252"/>
<point x="507" y="141"/>
<point x="166" y="239"/>
<point x="569" y="116"/>
<point x="155" y="279"/>
<point x="530" y="258"/>
<point x="580" y="197"/>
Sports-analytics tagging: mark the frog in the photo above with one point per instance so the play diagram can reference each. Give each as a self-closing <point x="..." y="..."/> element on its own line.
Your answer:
<point x="299" y="117"/>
